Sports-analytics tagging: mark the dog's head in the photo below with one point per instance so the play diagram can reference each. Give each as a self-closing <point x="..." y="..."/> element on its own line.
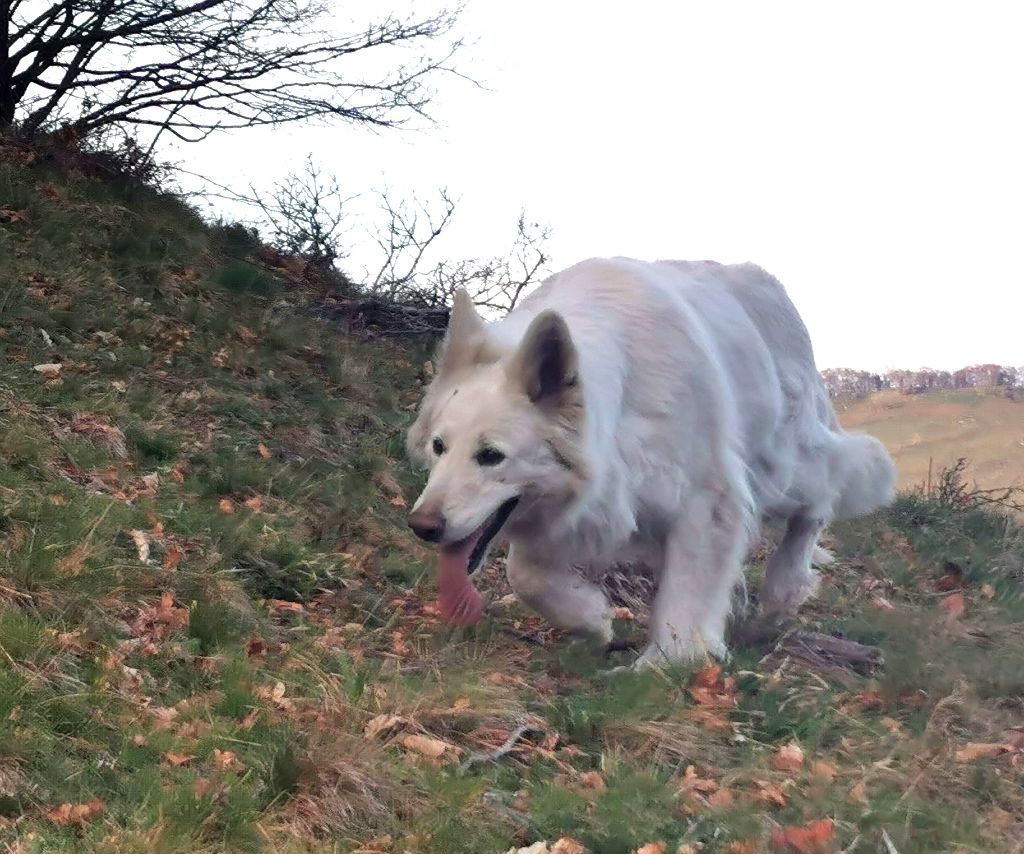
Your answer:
<point x="499" y="432"/>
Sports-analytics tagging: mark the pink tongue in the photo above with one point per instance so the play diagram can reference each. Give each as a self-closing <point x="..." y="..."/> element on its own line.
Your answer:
<point x="458" y="599"/>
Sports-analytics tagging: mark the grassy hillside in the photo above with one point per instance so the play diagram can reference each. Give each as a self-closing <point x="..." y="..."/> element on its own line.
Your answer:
<point x="215" y="633"/>
<point x="985" y="428"/>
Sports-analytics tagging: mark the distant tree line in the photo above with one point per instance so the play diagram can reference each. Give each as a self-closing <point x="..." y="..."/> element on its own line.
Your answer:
<point x="846" y="382"/>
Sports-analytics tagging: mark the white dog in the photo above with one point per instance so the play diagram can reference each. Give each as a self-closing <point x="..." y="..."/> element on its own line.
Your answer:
<point x="636" y="411"/>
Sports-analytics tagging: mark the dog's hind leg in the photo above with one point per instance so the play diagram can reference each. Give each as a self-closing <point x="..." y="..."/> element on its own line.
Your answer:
<point x="790" y="578"/>
<point x="562" y="596"/>
<point x="703" y="564"/>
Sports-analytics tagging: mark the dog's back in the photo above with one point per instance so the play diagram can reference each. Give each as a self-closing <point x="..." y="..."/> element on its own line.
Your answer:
<point x="642" y="325"/>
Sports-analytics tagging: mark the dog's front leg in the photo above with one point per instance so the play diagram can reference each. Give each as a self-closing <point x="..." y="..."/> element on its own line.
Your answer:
<point x="703" y="562"/>
<point x="562" y="596"/>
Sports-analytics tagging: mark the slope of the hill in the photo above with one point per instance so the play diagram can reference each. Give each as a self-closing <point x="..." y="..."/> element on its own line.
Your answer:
<point x="215" y="633"/>
<point x="936" y="428"/>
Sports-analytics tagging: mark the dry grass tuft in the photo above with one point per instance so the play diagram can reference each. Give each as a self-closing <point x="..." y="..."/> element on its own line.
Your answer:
<point x="348" y="789"/>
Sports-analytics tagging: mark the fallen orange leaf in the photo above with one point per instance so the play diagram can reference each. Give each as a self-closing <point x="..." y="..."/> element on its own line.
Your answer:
<point x="954" y="605"/>
<point x="49" y="370"/>
<point x="823" y="771"/>
<point x="377" y="845"/>
<point x="172" y="558"/>
<point x="226" y="506"/>
<point x="974" y="751"/>
<point x="790" y="757"/>
<point x="264" y="451"/>
<point x="711" y="691"/>
<point x="249" y="721"/>
<point x="165" y="716"/>
<point x="722" y="799"/>
<point x="432" y="748"/>
<point x="76" y="814"/>
<point x="398" y="644"/>
<point x="858" y="794"/>
<point x="285" y="605"/>
<point x="275" y="694"/>
<point x="708" y="676"/>
<point x="226" y="760"/>
<point x="652" y="848"/>
<point x="769" y="793"/>
<point x="382" y="725"/>
<point x="194" y="729"/>
<point x="693" y="782"/>
<point x="712" y="721"/>
<point x="811" y="839"/>
<point x="178" y="759"/>
<point x="202" y="787"/>
<point x="869" y="700"/>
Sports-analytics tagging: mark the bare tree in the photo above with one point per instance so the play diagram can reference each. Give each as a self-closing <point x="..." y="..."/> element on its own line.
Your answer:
<point x="190" y="67"/>
<point x="496" y="283"/>
<point x="409" y="232"/>
<point x="305" y="213"/>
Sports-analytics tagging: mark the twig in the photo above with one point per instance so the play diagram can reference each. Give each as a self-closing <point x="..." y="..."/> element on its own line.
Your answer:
<point x="889" y="847"/>
<point x="510" y="743"/>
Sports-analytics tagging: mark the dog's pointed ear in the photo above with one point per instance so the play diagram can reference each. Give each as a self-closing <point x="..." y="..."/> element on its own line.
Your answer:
<point x="546" y="365"/>
<point x="466" y="335"/>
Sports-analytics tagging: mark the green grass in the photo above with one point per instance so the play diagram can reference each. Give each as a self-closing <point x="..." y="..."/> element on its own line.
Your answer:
<point x="215" y="696"/>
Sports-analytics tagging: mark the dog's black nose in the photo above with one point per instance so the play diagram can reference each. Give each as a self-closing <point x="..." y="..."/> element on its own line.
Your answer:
<point x="426" y="525"/>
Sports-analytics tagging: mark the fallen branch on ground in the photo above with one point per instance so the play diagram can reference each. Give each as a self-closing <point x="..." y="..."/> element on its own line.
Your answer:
<point x="383" y="317"/>
<point x="521" y="733"/>
<point x="835" y="657"/>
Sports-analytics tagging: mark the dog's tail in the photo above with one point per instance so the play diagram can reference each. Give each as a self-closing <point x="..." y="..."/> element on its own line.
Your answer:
<point x="865" y="475"/>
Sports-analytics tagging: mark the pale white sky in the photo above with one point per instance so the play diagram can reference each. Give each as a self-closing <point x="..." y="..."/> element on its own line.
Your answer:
<point x="870" y="155"/>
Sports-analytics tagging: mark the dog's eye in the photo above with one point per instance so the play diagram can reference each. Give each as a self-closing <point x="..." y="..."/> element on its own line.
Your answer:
<point x="438" y="446"/>
<point x="489" y="457"/>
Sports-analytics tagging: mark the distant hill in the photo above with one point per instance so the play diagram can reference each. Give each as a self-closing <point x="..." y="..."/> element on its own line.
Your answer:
<point x="985" y="427"/>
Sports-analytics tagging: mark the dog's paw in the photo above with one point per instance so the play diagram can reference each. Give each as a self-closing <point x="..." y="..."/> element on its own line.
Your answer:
<point x="822" y="557"/>
<point x="612" y="672"/>
<point x="784" y="600"/>
<point x="658" y="657"/>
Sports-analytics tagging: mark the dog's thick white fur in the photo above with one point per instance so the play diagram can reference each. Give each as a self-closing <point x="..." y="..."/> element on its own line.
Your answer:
<point x="652" y="411"/>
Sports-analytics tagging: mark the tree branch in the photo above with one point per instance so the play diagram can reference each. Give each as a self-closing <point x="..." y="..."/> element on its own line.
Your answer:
<point x="210" y="64"/>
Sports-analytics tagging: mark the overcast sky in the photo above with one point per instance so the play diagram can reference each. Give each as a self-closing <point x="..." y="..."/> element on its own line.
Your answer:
<point x="870" y="155"/>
